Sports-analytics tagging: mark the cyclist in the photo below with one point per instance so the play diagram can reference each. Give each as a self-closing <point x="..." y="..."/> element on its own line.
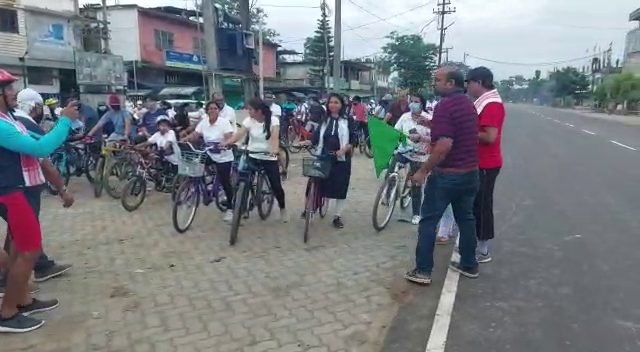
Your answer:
<point x="336" y="135"/>
<point x="166" y="142"/>
<point x="121" y="120"/>
<point x="316" y="114"/>
<point x="215" y="129"/>
<point x="359" y="110"/>
<point x="412" y="124"/>
<point x="263" y="129"/>
<point x="21" y="179"/>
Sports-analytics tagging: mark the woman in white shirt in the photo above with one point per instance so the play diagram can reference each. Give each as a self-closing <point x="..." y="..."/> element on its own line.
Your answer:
<point x="214" y="130"/>
<point x="263" y="130"/>
<point x="414" y="125"/>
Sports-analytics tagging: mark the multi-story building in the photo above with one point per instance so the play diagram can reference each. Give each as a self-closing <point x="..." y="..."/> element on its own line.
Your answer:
<point x="631" y="60"/>
<point x="357" y="78"/>
<point x="164" y="48"/>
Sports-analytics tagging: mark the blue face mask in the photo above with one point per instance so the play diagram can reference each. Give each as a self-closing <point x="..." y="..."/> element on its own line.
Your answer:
<point x="415" y="107"/>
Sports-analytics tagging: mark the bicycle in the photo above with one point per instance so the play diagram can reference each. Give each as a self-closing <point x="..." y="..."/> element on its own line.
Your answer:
<point x="300" y="135"/>
<point x="253" y="190"/>
<point x="149" y="169"/>
<point x="64" y="159"/>
<point x="388" y="193"/>
<point x="110" y="163"/>
<point x="364" y="143"/>
<point x="195" y="185"/>
<point x="316" y="169"/>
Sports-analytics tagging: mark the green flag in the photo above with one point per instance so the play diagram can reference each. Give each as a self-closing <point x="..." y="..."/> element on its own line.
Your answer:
<point x="384" y="141"/>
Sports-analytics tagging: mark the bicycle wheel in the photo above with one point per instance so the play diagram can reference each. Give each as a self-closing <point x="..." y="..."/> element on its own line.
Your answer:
<point x="177" y="181"/>
<point x="324" y="207"/>
<point x="283" y="160"/>
<point x="405" y="195"/>
<point x="98" y="183"/>
<point x="135" y="189"/>
<point x="309" y="208"/>
<point x="263" y="195"/>
<point x="387" y="196"/>
<point x="367" y="148"/>
<point x="121" y="170"/>
<point x="187" y="194"/>
<point x="89" y="167"/>
<point x="58" y="160"/>
<point x="239" y="207"/>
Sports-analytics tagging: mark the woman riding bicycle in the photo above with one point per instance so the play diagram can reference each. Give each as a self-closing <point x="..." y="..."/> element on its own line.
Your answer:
<point x="336" y="135"/>
<point x="413" y="124"/>
<point x="214" y="130"/>
<point x="263" y="131"/>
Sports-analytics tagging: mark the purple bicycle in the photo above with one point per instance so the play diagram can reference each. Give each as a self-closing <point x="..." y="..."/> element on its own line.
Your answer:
<point x="199" y="184"/>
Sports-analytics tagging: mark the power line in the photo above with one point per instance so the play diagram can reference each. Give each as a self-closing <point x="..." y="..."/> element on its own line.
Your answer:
<point x="374" y="15"/>
<point x="444" y="8"/>
<point x="535" y="64"/>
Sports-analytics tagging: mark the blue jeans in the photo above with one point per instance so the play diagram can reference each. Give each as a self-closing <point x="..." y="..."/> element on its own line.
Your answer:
<point x="442" y="189"/>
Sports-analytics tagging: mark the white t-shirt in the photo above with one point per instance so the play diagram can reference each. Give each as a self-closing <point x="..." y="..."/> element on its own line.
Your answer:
<point x="162" y="140"/>
<point x="405" y="124"/>
<point x="228" y="113"/>
<point x="215" y="134"/>
<point x="276" y="110"/>
<point x="257" y="137"/>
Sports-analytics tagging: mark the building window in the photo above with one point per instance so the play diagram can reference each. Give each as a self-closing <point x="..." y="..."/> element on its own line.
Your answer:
<point x="9" y="21"/>
<point x="164" y="40"/>
<point x="40" y="76"/>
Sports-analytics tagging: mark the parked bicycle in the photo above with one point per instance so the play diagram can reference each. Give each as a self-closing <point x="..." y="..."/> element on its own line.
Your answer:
<point x="199" y="184"/>
<point x="316" y="169"/>
<point x="111" y="163"/>
<point x="396" y="185"/>
<point x="299" y="138"/>
<point x="253" y="191"/>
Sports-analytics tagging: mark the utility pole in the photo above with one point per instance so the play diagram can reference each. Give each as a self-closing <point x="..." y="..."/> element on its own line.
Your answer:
<point x="446" y="53"/>
<point x="245" y="19"/>
<point x="210" y="20"/>
<point x="325" y="33"/>
<point x="464" y="58"/>
<point x="105" y="28"/>
<point x="443" y="10"/>
<point x="337" y="53"/>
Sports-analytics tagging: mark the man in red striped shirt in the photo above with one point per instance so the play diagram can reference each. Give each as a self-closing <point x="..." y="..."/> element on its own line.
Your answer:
<point x="491" y="114"/>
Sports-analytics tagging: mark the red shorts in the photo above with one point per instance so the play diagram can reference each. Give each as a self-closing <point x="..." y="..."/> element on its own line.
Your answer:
<point x="20" y="211"/>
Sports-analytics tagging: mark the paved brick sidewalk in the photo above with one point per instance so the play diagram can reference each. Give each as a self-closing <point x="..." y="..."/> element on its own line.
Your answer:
<point x="139" y="286"/>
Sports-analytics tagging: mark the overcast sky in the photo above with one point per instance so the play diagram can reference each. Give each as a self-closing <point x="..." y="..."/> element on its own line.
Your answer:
<point x="515" y="31"/>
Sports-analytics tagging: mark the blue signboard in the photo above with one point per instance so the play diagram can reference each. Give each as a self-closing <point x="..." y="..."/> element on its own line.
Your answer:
<point x="183" y="60"/>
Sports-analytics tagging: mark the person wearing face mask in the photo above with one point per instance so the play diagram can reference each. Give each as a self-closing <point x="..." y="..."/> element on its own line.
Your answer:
<point x="120" y="118"/>
<point x="414" y="153"/>
<point x="397" y="109"/>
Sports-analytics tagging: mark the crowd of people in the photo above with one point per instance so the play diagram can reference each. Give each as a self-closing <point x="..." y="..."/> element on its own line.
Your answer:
<point x="454" y="145"/>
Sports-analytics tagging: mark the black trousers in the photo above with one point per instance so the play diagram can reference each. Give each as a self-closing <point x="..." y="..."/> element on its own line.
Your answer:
<point x="483" y="205"/>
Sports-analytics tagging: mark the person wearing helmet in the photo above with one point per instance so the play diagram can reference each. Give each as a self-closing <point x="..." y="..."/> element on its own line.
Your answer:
<point x="21" y="180"/>
<point x="120" y="118"/>
<point x="165" y="140"/>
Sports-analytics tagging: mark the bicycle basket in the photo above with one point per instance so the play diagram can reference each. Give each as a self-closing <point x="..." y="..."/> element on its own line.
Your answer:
<point x="192" y="163"/>
<point x="313" y="167"/>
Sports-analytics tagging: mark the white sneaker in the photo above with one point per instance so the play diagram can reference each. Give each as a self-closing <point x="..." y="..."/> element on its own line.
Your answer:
<point x="415" y="220"/>
<point x="284" y="216"/>
<point x="228" y="216"/>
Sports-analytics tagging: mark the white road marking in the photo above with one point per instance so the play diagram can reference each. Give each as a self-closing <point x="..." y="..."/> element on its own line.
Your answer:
<point x="589" y="132"/>
<point x="623" y="146"/>
<point x="440" y="328"/>
<point x="570" y="125"/>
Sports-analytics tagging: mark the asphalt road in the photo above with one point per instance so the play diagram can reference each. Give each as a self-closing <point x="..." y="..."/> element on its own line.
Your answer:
<point x="568" y="234"/>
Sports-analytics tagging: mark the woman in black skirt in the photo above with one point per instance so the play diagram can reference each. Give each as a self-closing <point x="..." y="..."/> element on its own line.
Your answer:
<point x="336" y="135"/>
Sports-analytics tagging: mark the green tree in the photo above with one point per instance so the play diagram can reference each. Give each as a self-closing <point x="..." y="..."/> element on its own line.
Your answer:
<point x="413" y="59"/>
<point x="570" y="83"/>
<point x="257" y="15"/>
<point x="315" y="51"/>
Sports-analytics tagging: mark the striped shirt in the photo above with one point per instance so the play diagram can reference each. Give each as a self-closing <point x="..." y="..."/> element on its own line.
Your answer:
<point x="455" y="117"/>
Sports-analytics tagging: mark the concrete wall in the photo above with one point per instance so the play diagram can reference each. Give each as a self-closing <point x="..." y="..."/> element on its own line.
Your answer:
<point x="125" y="38"/>
<point x="183" y="35"/>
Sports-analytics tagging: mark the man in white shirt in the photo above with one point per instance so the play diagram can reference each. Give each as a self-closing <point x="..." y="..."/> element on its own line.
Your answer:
<point x="226" y="111"/>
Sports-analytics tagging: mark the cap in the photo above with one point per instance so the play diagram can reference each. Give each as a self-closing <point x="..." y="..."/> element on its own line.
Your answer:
<point x="114" y="100"/>
<point x="162" y="118"/>
<point x="480" y="74"/>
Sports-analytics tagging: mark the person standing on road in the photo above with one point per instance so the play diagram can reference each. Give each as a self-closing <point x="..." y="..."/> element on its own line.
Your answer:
<point x="336" y="135"/>
<point x="452" y="167"/>
<point x="226" y="112"/>
<point x="21" y="180"/>
<point x="397" y="109"/>
<point x="491" y="115"/>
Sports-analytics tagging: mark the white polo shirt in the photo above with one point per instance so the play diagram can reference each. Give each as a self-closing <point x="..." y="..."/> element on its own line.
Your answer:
<point x="228" y="113"/>
<point x="215" y="134"/>
<point x="258" y="138"/>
